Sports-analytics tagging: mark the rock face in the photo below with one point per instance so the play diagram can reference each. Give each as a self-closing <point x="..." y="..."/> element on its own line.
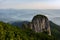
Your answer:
<point x="40" y="23"/>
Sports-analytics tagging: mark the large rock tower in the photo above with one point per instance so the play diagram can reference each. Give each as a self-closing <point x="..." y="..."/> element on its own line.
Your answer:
<point x="40" y="23"/>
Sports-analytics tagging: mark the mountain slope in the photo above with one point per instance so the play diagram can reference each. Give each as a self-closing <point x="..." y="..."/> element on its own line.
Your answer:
<point x="18" y="23"/>
<point x="9" y="32"/>
<point x="55" y="29"/>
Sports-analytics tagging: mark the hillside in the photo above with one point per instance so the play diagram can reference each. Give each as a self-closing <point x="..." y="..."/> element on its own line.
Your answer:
<point x="9" y="32"/>
<point x="55" y="29"/>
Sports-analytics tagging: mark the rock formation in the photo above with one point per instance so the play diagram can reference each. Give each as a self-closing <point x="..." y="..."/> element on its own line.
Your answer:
<point x="40" y="23"/>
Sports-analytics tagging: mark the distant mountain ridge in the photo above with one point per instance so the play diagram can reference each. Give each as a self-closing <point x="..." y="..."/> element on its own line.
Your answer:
<point x="19" y="23"/>
<point x="56" y="20"/>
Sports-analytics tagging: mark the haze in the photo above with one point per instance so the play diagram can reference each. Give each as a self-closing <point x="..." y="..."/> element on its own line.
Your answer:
<point x="30" y="4"/>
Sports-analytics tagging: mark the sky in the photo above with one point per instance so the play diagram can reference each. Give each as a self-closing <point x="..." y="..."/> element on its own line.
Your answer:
<point x="29" y="4"/>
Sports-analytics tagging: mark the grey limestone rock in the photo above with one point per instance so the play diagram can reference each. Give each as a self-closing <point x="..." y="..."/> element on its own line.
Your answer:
<point x="40" y="23"/>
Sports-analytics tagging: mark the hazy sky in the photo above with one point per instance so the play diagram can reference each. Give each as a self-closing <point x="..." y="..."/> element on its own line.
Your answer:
<point x="30" y="4"/>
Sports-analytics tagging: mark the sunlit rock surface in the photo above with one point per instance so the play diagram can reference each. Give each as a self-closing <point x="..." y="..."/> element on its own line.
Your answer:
<point x="40" y="23"/>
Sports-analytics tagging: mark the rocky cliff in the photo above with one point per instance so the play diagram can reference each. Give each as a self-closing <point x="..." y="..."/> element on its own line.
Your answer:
<point x="40" y="23"/>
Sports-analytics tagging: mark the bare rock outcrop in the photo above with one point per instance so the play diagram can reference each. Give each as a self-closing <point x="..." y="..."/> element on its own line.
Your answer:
<point x="40" y="23"/>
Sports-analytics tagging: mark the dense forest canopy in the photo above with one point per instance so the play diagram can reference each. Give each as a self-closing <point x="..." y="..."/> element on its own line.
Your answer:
<point x="9" y="32"/>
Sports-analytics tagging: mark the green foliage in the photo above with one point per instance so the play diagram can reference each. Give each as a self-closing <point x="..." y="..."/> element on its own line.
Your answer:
<point x="9" y="32"/>
<point x="55" y="30"/>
